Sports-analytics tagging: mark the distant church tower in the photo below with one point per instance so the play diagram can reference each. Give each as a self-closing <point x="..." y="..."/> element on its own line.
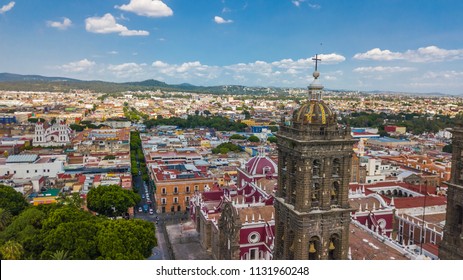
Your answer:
<point x="451" y="247"/>
<point x="312" y="212"/>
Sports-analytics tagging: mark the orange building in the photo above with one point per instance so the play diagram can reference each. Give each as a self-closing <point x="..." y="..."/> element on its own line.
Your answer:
<point x="176" y="184"/>
<point x="425" y="163"/>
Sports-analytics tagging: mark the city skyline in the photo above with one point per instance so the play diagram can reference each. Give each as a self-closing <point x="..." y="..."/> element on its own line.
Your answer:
<point x="410" y="46"/>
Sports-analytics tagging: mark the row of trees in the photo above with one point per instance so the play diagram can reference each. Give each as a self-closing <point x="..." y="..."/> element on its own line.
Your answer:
<point x="137" y="158"/>
<point x="133" y="114"/>
<point x="64" y="231"/>
<point x="217" y="122"/>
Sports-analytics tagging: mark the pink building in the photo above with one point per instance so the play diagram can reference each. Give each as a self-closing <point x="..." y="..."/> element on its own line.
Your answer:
<point x="237" y="222"/>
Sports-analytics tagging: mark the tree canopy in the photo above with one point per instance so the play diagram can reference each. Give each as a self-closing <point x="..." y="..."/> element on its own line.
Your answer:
<point x="66" y="232"/>
<point x="237" y="137"/>
<point x="253" y="139"/>
<point x="217" y="122"/>
<point x="111" y="200"/>
<point x="224" y="148"/>
<point x="11" y="200"/>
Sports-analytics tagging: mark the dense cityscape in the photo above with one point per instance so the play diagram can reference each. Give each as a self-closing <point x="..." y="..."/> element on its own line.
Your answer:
<point x="148" y="170"/>
<point x="184" y="162"/>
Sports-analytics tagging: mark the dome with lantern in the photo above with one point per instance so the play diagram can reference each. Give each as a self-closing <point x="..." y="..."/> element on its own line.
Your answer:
<point x="315" y="111"/>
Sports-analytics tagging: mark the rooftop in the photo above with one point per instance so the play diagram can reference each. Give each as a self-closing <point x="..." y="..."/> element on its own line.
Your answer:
<point x="22" y="158"/>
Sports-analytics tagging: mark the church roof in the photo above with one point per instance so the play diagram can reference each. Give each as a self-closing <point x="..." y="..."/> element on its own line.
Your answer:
<point x="256" y="165"/>
<point x="314" y="112"/>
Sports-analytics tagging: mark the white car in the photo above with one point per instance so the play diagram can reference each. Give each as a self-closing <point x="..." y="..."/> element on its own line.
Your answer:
<point x="151" y="211"/>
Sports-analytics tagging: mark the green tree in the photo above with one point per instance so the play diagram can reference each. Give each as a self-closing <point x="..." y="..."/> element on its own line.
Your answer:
<point x="12" y="200"/>
<point x="77" y="238"/>
<point x="238" y="137"/>
<point x="74" y="200"/>
<point x="59" y="255"/>
<point x="224" y="150"/>
<point x="5" y="218"/>
<point x="26" y="229"/>
<point x="111" y="200"/>
<point x="273" y="128"/>
<point x="447" y="148"/>
<point x="65" y="214"/>
<point x="76" y="127"/>
<point x="12" y="250"/>
<point x="253" y="139"/>
<point x="272" y="139"/>
<point x="126" y="239"/>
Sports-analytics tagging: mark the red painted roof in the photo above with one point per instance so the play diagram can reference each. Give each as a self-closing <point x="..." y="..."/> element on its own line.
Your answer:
<point x="413" y="202"/>
<point x="257" y="164"/>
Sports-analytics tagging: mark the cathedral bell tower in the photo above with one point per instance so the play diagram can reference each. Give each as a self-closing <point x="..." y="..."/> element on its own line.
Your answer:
<point x="451" y="247"/>
<point x="312" y="212"/>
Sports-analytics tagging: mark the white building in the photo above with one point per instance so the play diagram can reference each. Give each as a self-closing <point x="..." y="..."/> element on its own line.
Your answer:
<point x="58" y="134"/>
<point x="29" y="166"/>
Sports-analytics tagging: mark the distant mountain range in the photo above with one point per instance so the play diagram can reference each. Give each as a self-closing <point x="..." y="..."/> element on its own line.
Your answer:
<point x="17" y="82"/>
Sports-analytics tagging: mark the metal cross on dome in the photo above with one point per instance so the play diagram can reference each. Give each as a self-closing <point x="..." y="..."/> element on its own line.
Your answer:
<point x="316" y="59"/>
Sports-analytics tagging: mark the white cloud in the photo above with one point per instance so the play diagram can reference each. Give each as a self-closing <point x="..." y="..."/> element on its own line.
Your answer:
<point x="60" y="25"/>
<point x="160" y="64"/>
<point x="220" y="20"/>
<point x="7" y="7"/>
<point x="226" y="10"/>
<point x="107" y="24"/>
<point x="331" y="58"/>
<point x="383" y="69"/>
<point x="113" y="52"/>
<point x="425" y="54"/>
<point x="443" y="75"/>
<point x="378" y="54"/>
<point x="148" y="8"/>
<point x="126" y="70"/>
<point x="314" y="6"/>
<point x="78" y="66"/>
<point x="297" y="3"/>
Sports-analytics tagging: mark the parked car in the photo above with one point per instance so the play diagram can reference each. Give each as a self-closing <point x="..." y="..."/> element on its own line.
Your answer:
<point x="139" y="209"/>
<point x="151" y="211"/>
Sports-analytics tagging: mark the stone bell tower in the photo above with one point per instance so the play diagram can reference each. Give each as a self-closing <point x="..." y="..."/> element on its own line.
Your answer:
<point x="312" y="212"/>
<point x="451" y="247"/>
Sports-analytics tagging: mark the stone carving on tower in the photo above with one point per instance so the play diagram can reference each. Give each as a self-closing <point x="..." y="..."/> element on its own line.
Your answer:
<point x="312" y="212"/>
<point x="451" y="247"/>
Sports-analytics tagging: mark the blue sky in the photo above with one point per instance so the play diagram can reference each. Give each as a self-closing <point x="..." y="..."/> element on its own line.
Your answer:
<point x="398" y="45"/>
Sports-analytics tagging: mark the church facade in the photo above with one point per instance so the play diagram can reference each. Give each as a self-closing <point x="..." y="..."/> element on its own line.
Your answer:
<point x="312" y="212"/>
<point x="57" y="134"/>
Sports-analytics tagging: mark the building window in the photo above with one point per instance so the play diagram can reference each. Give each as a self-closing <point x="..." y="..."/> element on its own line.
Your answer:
<point x="196" y="188"/>
<point x="175" y="190"/>
<point x="27" y="171"/>
<point x="316" y="168"/>
<point x="163" y="190"/>
<point x="253" y="254"/>
<point x="411" y="236"/>
<point x="187" y="189"/>
<point x="336" y="167"/>
<point x="315" y="194"/>
<point x="432" y="238"/>
<point x="163" y="201"/>
<point x="175" y="200"/>
<point x="187" y="199"/>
